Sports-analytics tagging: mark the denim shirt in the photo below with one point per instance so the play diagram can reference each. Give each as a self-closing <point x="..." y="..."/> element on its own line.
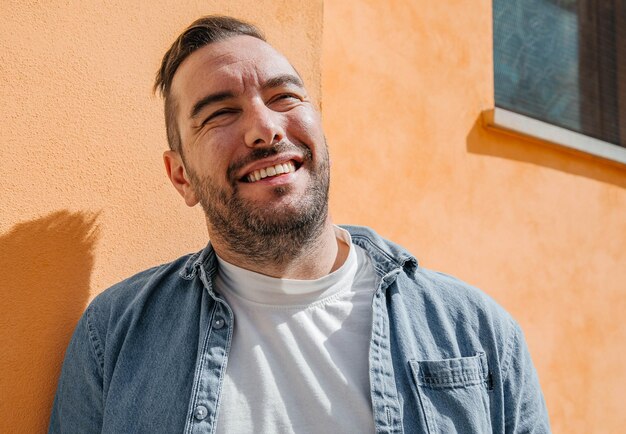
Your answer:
<point x="149" y="354"/>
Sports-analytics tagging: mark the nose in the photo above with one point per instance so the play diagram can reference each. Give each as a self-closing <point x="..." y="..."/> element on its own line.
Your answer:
<point x="263" y="126"/>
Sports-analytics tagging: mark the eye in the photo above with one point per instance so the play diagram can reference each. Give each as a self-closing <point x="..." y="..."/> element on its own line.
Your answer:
<point x="217" y="114"/>
<point x="285" y="100"/>
<point x="286" y="96"/>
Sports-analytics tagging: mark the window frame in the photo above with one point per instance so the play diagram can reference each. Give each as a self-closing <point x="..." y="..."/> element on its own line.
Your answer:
<point x="525" y="126"/>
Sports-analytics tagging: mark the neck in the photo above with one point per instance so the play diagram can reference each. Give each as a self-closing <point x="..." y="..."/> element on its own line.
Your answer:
<point x="316" y="258"/>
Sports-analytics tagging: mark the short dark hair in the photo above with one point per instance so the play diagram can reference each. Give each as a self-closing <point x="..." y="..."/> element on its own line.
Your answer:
<point x="203" y="31"/>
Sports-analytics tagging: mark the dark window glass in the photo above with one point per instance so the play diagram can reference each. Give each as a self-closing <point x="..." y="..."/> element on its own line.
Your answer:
<point x="563" y="62"/>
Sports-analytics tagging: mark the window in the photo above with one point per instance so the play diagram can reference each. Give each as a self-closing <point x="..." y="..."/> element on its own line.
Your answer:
<point x="563" y="63"/>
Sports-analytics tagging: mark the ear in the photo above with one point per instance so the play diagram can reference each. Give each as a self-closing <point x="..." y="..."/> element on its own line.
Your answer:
<point x="178" y="175"/>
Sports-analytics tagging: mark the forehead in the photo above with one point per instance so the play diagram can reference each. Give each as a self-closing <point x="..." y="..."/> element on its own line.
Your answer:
<point x="238" y="61"/>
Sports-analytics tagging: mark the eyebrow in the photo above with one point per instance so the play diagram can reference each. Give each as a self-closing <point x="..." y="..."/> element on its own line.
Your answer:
<point x="208" y="100"/>
<point x="281" y="80"/>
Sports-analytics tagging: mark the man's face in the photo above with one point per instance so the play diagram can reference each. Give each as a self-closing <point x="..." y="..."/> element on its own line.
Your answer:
<point x="244" y="117"/>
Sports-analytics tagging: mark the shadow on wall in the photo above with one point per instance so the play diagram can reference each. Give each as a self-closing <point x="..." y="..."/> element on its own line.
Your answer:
<point x="481" y="140"/>
<point x="45" y="269"/>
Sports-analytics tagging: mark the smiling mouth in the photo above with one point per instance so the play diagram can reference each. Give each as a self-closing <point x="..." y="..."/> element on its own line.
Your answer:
<point x="271" y="171"/>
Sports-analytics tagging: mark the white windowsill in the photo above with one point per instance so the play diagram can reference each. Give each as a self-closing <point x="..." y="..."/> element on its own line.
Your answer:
<point x="506" y="120"/>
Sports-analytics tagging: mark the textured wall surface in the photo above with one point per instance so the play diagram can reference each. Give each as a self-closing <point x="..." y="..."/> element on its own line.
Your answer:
<point x="540" y="230"/>
<point x="85" y="200"/>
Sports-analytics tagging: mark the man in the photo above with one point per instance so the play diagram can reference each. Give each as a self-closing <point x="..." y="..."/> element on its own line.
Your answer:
<point x="284" y="322"/>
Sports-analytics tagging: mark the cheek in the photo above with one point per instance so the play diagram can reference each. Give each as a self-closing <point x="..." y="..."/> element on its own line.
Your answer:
<point x="215" y="147"/>
<point x="204" y="163"/>
<point x="307" y="126"/>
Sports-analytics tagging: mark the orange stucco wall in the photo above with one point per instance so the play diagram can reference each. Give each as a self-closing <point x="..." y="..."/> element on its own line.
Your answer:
<point x="85" y="201"/>
<point x="541" y="230"/>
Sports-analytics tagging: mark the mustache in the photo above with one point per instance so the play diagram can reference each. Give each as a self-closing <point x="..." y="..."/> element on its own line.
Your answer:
<point x="261" y="153"/>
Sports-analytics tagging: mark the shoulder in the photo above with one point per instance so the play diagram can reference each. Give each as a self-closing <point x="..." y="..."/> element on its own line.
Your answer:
<point x="153" y="293"/>
<point x="414" y="280"/>
<point x="147" y="280"/>
<point x="455" y="306"/>
<point x="455" y="294"/>
<point x="427" y="301"/>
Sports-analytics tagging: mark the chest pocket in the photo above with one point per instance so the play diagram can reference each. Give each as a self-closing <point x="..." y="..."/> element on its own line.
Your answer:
<point x="453" y="394"/>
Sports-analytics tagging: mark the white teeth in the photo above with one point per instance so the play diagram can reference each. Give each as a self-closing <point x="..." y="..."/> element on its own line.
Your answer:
<point x="277" y="169"/>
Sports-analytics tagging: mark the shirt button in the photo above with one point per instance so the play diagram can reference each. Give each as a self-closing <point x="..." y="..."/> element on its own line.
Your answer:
<point x="200" y="412"/>
<point x="218" y="323"/>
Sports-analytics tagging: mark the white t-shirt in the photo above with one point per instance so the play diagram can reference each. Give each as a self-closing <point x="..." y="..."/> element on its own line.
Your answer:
<point x="299" y="356"/>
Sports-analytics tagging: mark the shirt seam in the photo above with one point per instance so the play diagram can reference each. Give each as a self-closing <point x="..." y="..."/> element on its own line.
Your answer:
<point x="506" y="360"/>
<point x="94" y="341"/>
<point x="223" y="367"/>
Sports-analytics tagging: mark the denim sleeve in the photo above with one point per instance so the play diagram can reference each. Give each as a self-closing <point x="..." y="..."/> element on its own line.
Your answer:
<point x="524" y="407"/>
<point x="78" y="401"/>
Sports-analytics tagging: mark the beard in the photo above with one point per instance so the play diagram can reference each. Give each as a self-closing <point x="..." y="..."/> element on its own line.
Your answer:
<point x="254" y="232"/>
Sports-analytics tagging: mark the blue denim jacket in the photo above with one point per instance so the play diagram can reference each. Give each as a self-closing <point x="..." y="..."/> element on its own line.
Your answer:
<point x="149" y="354"/>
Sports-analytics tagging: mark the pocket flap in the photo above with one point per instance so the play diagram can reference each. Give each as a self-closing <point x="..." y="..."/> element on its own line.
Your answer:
<point x="450" y="373"/>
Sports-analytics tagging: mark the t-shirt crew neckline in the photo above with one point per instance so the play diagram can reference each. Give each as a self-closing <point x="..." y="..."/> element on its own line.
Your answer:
<point x="266" y="290"/>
